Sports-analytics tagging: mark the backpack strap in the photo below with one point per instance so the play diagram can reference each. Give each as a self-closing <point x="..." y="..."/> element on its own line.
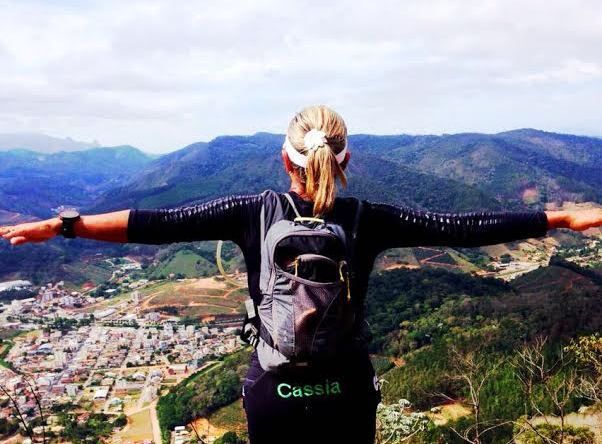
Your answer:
<point x="292" y="202"/>
<point x="271" y="212"/>
<point x="356" y="223"/>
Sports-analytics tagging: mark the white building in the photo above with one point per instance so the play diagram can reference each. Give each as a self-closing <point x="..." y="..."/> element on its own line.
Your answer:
<point x="68" y="301"/>
<point x="59" y="359"/>
<point x="101" y="393"/>
<point x="15" y="306"/>
<point x="153" y="316"/>
<point x="99" y="314"/>
<point x="72" y="390"/>
<point x="148" y="393"/>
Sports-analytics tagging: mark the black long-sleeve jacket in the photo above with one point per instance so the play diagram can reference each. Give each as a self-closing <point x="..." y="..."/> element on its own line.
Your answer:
<point x="381" y="226"/>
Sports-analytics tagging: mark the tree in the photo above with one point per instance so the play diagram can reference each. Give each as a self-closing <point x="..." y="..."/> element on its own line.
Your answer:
<point x="395" y="424"/>
<point x="32" y="390"/>
<point x="120" y="421"/>
<point x="588" y="352"/>
<point x="473" y="369"/>
<point x="555" y="378"/>
<point x="229" y="438"/>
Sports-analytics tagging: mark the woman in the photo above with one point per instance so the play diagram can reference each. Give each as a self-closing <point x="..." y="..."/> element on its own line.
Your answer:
<point x="327" y="404"/>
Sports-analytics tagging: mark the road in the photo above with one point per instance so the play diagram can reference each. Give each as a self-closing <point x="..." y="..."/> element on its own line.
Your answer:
<point x="155" y="422"/>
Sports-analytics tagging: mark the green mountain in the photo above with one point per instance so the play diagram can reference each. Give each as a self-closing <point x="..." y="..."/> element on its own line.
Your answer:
<point x="203" y="171"/>
<point x="464" y="172"/>
<point x="524" y="165"/>
<point x="522" y="168"/>
<point x="34" y="183"/>
<point x="515" y="169"/>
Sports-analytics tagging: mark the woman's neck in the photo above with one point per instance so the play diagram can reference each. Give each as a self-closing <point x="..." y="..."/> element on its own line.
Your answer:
<point x="299" y="189"/>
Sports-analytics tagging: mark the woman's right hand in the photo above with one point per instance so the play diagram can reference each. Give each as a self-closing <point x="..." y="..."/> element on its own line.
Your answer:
<point x="578" y="220"/>
<point x="38" y="231"/>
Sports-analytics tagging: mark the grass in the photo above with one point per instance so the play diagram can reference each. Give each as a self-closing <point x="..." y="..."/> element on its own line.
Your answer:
<point x="465" y="264"/>
<point x="186" y="262"/>
<point x="231" y="417"/>
<point x="7" y="344"/>
<point x="95" y="271"/>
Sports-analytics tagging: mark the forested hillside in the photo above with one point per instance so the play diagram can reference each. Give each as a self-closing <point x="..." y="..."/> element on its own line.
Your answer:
<point x="449" y="172"/>
<point x="443" y="325"/>
<point x="213" y="170"/>
<point x="525" y="165"/>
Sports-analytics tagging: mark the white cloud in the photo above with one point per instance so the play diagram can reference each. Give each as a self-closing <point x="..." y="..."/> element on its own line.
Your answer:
<point x="161" y="74"/>
<point x="571" y="71"/>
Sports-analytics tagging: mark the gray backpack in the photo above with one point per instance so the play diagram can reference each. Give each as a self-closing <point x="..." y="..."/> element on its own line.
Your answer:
<point x="306" y="314"/>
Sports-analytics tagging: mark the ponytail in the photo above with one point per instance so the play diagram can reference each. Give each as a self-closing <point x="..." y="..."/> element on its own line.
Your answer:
<point x="320" y="169"/>
<point x="321" y="173"/>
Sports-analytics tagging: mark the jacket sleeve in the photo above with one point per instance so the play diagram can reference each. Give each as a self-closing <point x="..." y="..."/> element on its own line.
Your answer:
<point x="225" y="218"/>
<point x="395" y="226"/>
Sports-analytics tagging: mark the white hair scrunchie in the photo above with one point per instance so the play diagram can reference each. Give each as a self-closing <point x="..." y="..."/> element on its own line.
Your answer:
<point x="312" y="140"/>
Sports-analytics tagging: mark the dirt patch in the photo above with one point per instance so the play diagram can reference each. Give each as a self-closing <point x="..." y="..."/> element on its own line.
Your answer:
<point x="448" y="412"/>
<point x="398" y="362"/>
<point x="138" y="427"/>
<point x="204" y="427"/>
<point x="211" y="282"/>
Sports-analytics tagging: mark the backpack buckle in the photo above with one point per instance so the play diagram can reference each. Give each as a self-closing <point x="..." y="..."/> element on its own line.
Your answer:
<point x="309" y="221"/>
<point x="250" y="334"/>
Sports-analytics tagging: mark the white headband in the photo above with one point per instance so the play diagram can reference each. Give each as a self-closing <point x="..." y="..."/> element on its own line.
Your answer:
<point x="313" y="140"/>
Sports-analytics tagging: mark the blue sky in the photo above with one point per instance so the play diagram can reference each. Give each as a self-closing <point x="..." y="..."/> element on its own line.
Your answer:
<point x="162" y="74"/>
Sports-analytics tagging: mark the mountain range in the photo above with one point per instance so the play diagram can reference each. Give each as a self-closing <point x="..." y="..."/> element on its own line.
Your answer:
<point x="33" y="183"/>
<point x="42" y="143"/>
<point x="516" y="169"/>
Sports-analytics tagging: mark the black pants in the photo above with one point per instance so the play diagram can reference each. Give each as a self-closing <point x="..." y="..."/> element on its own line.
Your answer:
<point x="327" y="406"/>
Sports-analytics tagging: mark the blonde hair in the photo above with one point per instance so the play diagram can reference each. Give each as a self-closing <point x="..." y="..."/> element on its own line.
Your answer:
<point x="322" y="170"/>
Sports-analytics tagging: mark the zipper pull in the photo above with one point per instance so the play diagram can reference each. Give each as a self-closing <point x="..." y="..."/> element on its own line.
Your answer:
<point x="346" y="280"/>
<point x="348" y="291"/>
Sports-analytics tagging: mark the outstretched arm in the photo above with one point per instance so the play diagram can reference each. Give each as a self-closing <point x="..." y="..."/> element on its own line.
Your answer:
<point x="111" y="227"/>
<point x="226" y="218"/>
<point x="394" y="226"/>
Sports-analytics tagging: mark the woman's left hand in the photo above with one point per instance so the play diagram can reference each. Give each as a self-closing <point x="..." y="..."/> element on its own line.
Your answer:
<point x="38" y="231"/>
<point x="577" y="220"/>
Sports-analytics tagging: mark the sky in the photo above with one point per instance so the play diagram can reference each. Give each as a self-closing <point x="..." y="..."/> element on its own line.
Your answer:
<point x="160" y="75"/>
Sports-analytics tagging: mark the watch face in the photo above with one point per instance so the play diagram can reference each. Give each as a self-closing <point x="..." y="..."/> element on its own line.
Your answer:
<point x="69" y="213"/>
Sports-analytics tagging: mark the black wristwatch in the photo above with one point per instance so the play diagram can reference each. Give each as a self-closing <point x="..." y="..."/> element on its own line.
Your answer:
<point x="68" y="217"/>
